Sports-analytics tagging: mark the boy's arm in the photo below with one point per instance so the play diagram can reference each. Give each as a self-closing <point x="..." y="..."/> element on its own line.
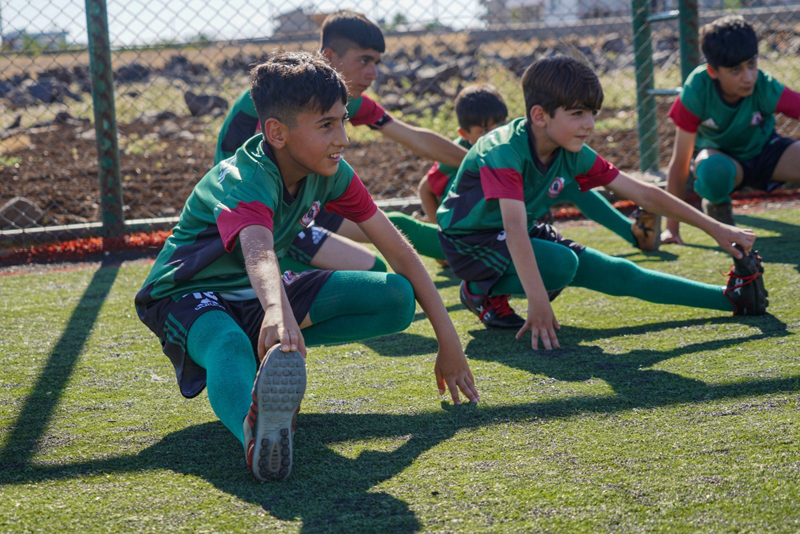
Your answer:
<point x="429" y="201"/>
<point x="279" y="324"/>
<point x="424" y="143"/>
<point x="451" y="368"/>
<point x="677" y="176"/>
<point x="541" y="320"/>
<point x="653" y="199"/>
<point x="597" y="208"/>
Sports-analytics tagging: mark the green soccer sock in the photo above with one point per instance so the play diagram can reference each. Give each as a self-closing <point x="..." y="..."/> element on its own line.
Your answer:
<point x="622" y="278"/>
<point x="290" y="264"/>
<point x="216" y="343"/>
<point x="357" y="305"/>
<point x="424" y="237"/>
<point x="597" y="208"/>
<point x="716" y="178"/>
<point x="557" y="265"/>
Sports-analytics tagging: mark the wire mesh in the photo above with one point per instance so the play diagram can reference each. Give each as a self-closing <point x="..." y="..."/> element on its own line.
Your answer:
<point x="179" y="64"/>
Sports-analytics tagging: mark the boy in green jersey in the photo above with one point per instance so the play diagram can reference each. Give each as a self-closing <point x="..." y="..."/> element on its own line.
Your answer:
<point x="492" y="242"/>
<point x="353" y="45"/>
<point x="216" y="299"/>
<point x="725" y="124"/>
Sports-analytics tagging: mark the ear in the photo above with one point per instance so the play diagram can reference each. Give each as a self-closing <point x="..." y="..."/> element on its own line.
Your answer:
<point x="463" y="133"/>
<point x="712" y="72"/>
<point x="328" y="54"/>
<point x="538" y="116"/>
<point x="275" y="133"/>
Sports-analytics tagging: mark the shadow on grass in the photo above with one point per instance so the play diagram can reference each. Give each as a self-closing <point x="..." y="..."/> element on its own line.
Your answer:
<point x="38" y="408"/>
<point x="781" y="248"/>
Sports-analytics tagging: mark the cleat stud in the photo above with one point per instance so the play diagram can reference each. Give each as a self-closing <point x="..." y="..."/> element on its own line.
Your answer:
<point x="284" y="432"/>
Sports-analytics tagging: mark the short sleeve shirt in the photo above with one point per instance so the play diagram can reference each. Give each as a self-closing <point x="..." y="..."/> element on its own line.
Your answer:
<point x="440" y="174"/>
<point x="241" y="122"/>
<point x="502" y="165"/>
<point x="740" y="129"/>
<point x="204" y="254"/>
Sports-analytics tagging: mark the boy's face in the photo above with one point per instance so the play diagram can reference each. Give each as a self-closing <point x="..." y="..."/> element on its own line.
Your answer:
<point x="474" y="133"/>
<point x="736" y="82"/>
<point x="316" y="141"/>
<point x="358" y="66"/>
<point x="568" y="128"/>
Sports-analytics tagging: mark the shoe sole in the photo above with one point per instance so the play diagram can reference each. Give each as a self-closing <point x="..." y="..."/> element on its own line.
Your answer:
<point x="280" y="389"/>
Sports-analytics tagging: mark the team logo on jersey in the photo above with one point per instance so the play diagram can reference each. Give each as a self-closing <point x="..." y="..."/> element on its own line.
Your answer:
<point x="709" y="123"/>
<point x="556" y="187"/>
<point x="309" y="217"/>
<point x="757" y="118"/>
<point x="289" y="277"/>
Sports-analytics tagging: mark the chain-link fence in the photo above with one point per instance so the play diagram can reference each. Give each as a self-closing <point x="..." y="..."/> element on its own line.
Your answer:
<point x="178" y="64"/>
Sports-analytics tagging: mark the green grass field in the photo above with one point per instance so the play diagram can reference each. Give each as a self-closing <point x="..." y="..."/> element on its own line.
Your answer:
<point x="650" y="418"/>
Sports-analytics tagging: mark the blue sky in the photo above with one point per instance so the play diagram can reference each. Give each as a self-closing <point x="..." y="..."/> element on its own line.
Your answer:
<point x="146" y="21"/>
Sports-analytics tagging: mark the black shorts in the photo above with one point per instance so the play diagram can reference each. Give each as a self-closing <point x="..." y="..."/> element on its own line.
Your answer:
<point x="308" y="242"/>
<point x="758" y="170"/>
<point x="483" y="257"/>
<point x="171" y="319"/>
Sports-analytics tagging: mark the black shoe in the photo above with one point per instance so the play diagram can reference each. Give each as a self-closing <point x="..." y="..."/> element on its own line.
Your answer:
<point x="494" y="312"/>
<point x="745" y="288"/>
<point x="646" y="230"/>
<point x="720" y="212"/>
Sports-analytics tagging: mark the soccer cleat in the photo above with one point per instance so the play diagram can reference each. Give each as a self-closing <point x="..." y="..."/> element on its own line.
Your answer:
<point x="646" y="228"/>
<point x="494" y="312"/>
<point x="277" y="392"/>
<point x="745" y="289"/>
<point x="720" y="212"/>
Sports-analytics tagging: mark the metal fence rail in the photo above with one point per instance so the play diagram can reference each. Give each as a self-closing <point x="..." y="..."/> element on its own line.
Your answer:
<point x="162" y="59"/>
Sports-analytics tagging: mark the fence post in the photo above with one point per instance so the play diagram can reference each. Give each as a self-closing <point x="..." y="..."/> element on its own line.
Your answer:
<point x="687" y="29"/>
<point x="645" y="102"/>
<point x="105" y="121"/>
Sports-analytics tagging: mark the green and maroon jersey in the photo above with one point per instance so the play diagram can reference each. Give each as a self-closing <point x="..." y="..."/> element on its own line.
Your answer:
<point x="241" y="122"/>
<point x="204" y="254"/>
<point x="440" y="174"/>
<point x="741" y="129"/>
<point x="503" y="164"/>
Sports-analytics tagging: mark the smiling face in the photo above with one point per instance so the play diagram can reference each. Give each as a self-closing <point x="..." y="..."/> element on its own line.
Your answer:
<point x="567" y="128"/>
<point x="314" y="143"/>
<point x="736" y="82"/>
<point x="358" y="66"/>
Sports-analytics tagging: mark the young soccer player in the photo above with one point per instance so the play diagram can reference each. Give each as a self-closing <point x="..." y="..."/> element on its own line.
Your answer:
<point x="725" y="124"/>
<point x="215" y="297"/>
<point x="353" y="45"/>
<point x="486" y="216"/>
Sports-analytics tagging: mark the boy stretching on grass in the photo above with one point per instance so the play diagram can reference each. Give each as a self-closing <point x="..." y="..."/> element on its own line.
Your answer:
<point x="353" y="45"/>
<point x="725" y="125"/>
<point x="215" y="297"/>
<point x="488" y="234"/>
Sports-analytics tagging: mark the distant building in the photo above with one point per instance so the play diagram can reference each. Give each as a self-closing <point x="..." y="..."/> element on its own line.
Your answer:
<point x="48" y="40"/>
<point x="298" y="21"/>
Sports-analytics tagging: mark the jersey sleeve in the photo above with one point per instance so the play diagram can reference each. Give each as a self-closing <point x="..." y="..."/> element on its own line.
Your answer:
<point x="370" y="113"/>
<point x="355" y="203"/>
<point x="688" y="109"/>
<point x="501" y="174"/>
<point x="789" y="103"/>
<point x="245" y="205"/>
<point x="599" y="172"/>
<point x="437" y="180"/>
<point x="682" y="117"/>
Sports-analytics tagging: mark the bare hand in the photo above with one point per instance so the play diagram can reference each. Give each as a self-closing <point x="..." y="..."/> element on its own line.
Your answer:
<point x="542" y="323"/>
<point x="453" y="373"/>
<point x="287" y="333"/>
<point x="667" y="236"/>
<point x="728" y="236"/>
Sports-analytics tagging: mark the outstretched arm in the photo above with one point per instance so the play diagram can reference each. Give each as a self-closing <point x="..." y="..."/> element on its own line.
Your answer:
<point x="424" y="143"/>
<point x="451" y="369"/>
<point x="653" y="199"/>
<point x="279" y="324"/>
<point x="597" y="208"/>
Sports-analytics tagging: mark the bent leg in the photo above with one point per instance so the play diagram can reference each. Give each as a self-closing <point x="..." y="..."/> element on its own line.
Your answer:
<point x="216" y="343"/>
<point x="357" y="305"/>
<point x="716" y="176"/>
<point x="622" y="278"/>
<point x="338" y="253"/>
<point x="352" y="231"/>
<point x="788" y="168"/>
<point x="557" y="266"/>
<point x="424" y="237"/>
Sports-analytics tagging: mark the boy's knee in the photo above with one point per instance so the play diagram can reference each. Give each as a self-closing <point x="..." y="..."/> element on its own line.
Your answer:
<point x="400" y="300"/>
<point x="562" y="267"/>
<point x="715" y="178"/>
